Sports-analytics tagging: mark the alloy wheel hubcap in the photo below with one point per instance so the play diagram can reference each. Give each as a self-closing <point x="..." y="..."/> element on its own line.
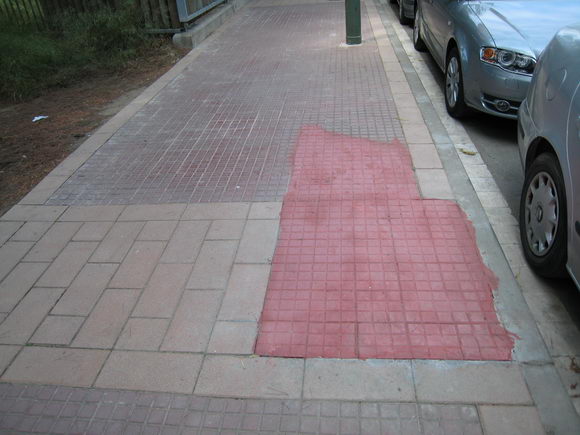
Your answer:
<point x="541" y="213"/>
<point x="452" y="82"/>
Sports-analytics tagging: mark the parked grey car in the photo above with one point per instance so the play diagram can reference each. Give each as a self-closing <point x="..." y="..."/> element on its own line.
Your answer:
<point x="549" y="142"/>
<point x="488" y="48"/>
<point x="406" y="10"/>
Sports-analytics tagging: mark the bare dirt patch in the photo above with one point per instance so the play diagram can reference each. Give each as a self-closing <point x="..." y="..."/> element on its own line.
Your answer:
<point x="29" y="151"/>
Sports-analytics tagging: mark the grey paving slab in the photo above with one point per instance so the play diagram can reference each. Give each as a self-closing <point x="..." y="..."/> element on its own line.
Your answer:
<point x="162" y="294"/>
<point x="53" y="242"/>
<point x="33" y="213"/>
<point x="226" y="230"/>
<point x="425" y="156"/>
<point x="244" y="297"/>
<point x="107" y="319"/>
<point x="86" y="289"/>
<point x="155" y="212"/>
<point x="135" y="270"/>
<point x="117" y="242"/>
<point x="235" y="376"/>
<point x="18" y="282"/>
<point x="10" y="254"/>
<point x="186" y="242"/>
<point x="157" y="230"/>
<point x="511" y="420"/>
<point x="233" y="338"/>
<point x="148" y="371"/>
<point x="358" y="380"/>
<point x="142" y="334"/>
<point x="213" y="265"/>
<point x="449" y="419"/>
<point x="30" y="231"/>
<point x="193" y="322"/>
<point x="265" y="210"/>
<point x="212" y="211"/>
<point x="66" y="266"/>
<point x="92" y="213"/>
<point x="50" y="365"/>
<point x="7" y="353"/>
<point x="434" y="184"/>
<point x="7" y="229"/>
<point x="57" y="330"/>
<point x="470" y="382"/>
<point x="92" y="232"/>
<point x="258" y="242"/>
<point x="28" y="314"/>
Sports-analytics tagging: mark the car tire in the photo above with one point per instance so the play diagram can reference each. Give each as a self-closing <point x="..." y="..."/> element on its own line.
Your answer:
<point x="543" y="184"/>
<point x="454" y="96"/>
<point x="418" y="42"/>
<point x="402" y="18"/>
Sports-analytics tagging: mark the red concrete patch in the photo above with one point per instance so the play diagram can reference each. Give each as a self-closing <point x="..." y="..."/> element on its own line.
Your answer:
<point x="364" y="268"/>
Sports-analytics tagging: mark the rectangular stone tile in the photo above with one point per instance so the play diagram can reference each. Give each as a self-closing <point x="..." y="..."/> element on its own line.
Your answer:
<point x="17" y="284"/>
<point x="416" y="133"/>
<point x="226" y="230"/>
<point x="185" y="242"/>
<point x="157" y="230"/>
<point x="105" y="323"/>
<point x="434" y="184"/>
<point x="193" y="322"/>
<point x="43" y="190"/>
<point x="66" y="266"/>
<point x="238" y="376"/>
<point x="142" y="334"/>
<point x="137" y="267"/>
<point x="33" y="213"/>
<point x="50" y="365"/>
<point x="7" y="353"/>
<point x="53" y="241"/>
<point x="86" y="289"/>
<point x="7" y="229"/>
<point x="213" y="266"/>
<point x="466" y="382"/>
<point x="511" y="420"/>
<point x="10" y="254"/>
<point x="265" y="210"/>
<point x="258" y="242"/>
<point x="57" y="330"/>
<point x="155" y="212"/>
<point x="245" y="294"/>
<point x="30" y="231"/>
<point x="92" y="232"/>
<point x="358" y="380"/>
<point x="216" y="210"/>
<point x="233" y="337"/>
<point x="163" y="291"/>
<point x="425" y="156"/>
<point x="117" y="242"/>
<point x="92" y="213"/>
<point x="28" y="314"/>
<point x="561" y="338"/>
<point x="492" y="199"/>
<point x="149" y="371"/>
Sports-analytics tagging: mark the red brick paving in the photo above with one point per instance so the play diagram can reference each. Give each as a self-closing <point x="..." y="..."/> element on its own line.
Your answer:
<point x="364" y="268"/>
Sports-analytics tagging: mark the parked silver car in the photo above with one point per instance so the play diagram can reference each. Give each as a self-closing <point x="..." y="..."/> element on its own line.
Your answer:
<point x="406" y="10"/>
<point x="488" y="49"/>
<point x="549" y="141"/>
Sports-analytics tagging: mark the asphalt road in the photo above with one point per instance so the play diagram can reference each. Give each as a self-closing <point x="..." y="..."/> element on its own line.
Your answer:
<point x="496" y="141"/>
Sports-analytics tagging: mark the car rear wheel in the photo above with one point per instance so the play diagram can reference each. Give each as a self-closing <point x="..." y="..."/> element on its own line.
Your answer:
<point x="543" y="217"/>
<point x="454" y="97"/>
<point x="402" y="18"/>
<point x="417" y="39"/>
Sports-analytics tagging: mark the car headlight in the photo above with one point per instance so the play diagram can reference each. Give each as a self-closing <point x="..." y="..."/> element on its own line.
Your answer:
<point x="508" y="60"/>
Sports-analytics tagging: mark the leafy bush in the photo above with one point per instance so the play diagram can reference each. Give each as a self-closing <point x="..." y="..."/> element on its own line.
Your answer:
<point x="78" y="45"/>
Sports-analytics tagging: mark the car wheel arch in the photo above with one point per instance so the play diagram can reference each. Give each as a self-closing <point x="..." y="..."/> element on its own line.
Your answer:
<point x="539" y="146"/>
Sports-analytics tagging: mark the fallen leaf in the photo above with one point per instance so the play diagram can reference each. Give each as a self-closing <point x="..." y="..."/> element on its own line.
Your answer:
<point x="469" y="153"/>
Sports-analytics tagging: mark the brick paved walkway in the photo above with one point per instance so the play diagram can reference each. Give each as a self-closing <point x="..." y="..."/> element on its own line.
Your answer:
<point x="130" y="295"/>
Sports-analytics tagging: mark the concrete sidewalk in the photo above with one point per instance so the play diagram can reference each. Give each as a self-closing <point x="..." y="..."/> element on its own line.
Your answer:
<point x="134" y="276"/>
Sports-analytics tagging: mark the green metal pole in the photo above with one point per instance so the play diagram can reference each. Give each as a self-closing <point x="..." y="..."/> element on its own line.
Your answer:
<point x="352" y="10"/>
